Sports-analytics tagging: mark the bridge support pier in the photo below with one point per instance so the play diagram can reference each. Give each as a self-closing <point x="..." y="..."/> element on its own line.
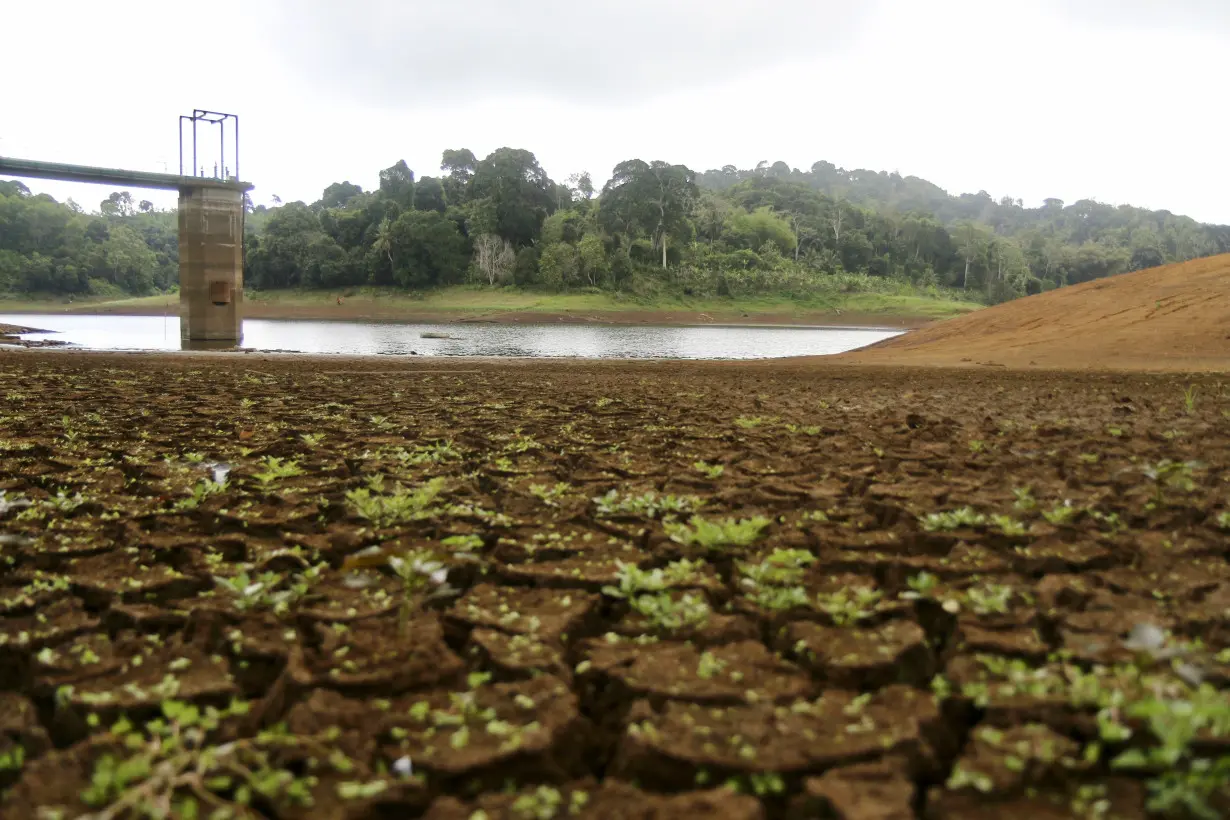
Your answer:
<point x="210" y="264"/>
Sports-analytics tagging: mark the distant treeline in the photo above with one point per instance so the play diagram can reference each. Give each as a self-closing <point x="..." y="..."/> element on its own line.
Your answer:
<point x="654" y="226"/>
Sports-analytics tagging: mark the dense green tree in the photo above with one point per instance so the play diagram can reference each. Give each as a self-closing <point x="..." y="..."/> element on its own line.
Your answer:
<point x="118" y="204"/>
<point x="429" y="195"/>
<point x="518" y="189"/>
<point x="758" y="228"/>
<point x="459" y="165"/>
<point x="339" y="194"/>
<point x="397" y="184"/>
<point x="559" y="265"/>
<point x="649" y="199"/>
<point x="772" y="229"/>
<point x="427" y="250"/>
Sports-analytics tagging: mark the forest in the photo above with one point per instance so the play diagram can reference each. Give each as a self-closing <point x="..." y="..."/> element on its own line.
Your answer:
<point x="653" y="227"/>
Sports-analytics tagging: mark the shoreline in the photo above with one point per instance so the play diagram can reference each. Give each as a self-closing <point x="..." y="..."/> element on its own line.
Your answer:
<point x="803" y="319"/>
<point x="829" y="365"/>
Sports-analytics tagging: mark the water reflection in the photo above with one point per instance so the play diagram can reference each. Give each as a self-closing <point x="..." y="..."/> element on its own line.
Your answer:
<point x="592" y="341"/>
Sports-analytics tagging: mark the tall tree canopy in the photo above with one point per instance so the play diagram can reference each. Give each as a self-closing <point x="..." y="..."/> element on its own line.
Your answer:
<point x="654" y="225"/>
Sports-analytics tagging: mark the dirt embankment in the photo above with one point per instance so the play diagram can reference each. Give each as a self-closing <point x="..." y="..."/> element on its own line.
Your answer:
<point x="1175" y="317"/>
<point x="374" y="311"/>
<point x="14" y="330"/>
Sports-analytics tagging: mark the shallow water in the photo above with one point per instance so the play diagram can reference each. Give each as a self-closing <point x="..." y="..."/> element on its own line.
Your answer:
<point x="589" y="341"/>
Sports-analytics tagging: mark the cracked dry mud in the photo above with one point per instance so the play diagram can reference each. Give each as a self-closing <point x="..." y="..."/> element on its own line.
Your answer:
<point x="923" y="613"/>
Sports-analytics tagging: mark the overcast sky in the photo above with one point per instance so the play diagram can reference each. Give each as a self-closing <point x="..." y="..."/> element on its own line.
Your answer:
<point x="1119" y="100"/>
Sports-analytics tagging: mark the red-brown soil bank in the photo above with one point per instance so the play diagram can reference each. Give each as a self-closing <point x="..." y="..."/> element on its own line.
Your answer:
<point x="1175" y="317"/>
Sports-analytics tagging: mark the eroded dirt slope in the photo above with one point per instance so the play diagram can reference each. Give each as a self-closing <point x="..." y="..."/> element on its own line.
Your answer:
<point x="682" y="591"/>
<point x="1175" y="317"/>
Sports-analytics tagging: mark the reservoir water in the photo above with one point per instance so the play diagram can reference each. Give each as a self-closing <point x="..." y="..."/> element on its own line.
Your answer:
<point x="465" y="339"/>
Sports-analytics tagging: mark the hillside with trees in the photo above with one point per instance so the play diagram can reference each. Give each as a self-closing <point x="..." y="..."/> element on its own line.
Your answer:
<point x="654" y="227"/>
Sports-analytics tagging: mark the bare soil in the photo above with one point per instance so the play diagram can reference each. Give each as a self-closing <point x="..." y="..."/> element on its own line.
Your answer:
<point x="853" y="655"/>
<point x="1175" y="318"/>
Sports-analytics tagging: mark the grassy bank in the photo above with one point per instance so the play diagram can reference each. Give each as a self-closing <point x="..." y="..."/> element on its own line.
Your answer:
<point x="465" y="303"/>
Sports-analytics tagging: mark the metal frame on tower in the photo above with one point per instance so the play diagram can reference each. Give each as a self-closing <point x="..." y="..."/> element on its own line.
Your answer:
<point x="213" y="118"/>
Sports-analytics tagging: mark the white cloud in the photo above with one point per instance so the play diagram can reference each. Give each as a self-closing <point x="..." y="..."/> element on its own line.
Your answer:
<point x="1018" y="98"/>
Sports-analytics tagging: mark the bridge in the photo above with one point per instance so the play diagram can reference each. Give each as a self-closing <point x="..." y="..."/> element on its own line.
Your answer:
<point x="211" y="217"/>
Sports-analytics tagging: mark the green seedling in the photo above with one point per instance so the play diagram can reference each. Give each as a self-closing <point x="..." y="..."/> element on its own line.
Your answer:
<point x="1008" y="525"/>
<point x="953" y="520"/>
<point x="781" y="568"/>
<point x="418" y="570"/>
<point x="550" y="494"/>
<point x="177" y="766"/>
<point x="716" y="535"/>
<point x="645" y="505"/>
<point x="276" y="468"/>
<point x="849" y="606"/>
<point x="201" y="491"/>
<point x="312" y="439"/>
<point x="544" y="803"/>
<point x="670" y="615"/>
<point x="1189" y="399"/>
<point x="399" y="507"/>
<point x="1171" y="475"/>
<point x="750" y="422"/>
<point x="1061" y="514"/>
<point x="1186" y="783"/>
<point x="434" y="453"/>
<point x="708" y="470"/>
<point x="921" y="586"/>
<point x="462" y="543"/>
<point x="13" y="759"/>
<point x="761" y="784"/>
<point x="1024" y="498"/>
<point x="266" y="590"/>
<point x="710" y="666"/>
<point x="989" y="599"/>
<point x="635" y="581"/>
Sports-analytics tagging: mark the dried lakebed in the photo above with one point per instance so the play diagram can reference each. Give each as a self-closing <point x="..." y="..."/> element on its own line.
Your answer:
<point x="300" y="588"/>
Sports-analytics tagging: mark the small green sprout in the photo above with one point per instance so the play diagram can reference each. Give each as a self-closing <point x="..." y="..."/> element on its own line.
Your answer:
<point x="710" y="666"/>
<point x="1008" y="525"/>
<point x="848" y="606"/>
<point x="1061" y="514"/>
<point x="635" y="581"/>
<point x="646" y="505"/>
<point x="953" y="520"/>
<point x="1189" y="399"/>
<point x="718" y="534"/>
<point x="670" y="615"/>
<point x="399" y="507"/>
<point x="201" y="491"/>
<point x="276" y="468"/>
<point x="921" y="586"/>
<point x="550" y="495"/>
<point x="1172" y="475"/>
<point x="708" y="470"/>
<point x="1024" y="498"/>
